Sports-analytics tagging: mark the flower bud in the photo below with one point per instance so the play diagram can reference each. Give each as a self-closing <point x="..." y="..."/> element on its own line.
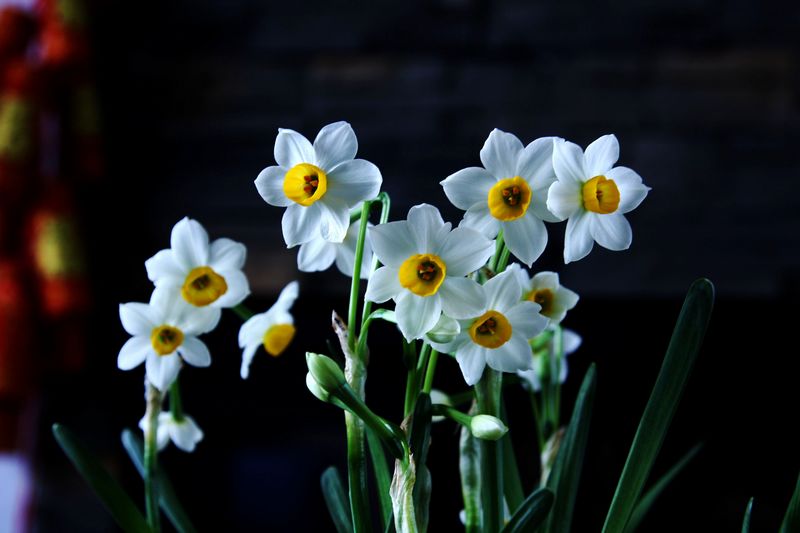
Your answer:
<point x="315" y="389"/>
<point x="487" y="427"/>
<point x="325" y="371"/>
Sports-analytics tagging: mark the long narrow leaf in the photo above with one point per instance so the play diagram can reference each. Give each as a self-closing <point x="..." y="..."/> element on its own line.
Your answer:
<point x="564" y="478"/>
<point x="747" y="512"/>
<point x="512" y="485"/>
<point x="168" y="498"/>
<point x="383" y="479"/>
<point x="336" y="500"/>
<point x="791" y="521"/>
<point x="114" y="498"/>
<point x="681" y="354"/>
<point x="531" y="513"/>
<point x="650" y="497"/>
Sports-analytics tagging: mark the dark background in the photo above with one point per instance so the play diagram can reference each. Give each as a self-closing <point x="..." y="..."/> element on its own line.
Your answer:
<point x="704" y="98"/>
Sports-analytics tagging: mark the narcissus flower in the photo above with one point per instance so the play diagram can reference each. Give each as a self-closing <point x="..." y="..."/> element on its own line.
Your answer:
<point x="509" y="194"/>
<point x="273" y="329"/>
<point x="185" y="433"/>
<point x="426" y="263"/>
<point x="318" y="254"/>
<point x="498" y="334"/>
<point x="204" y="274"/>
<point x="164" y="333"/>
<point x="593" y="196"/>
<point x="545" y="289"/>
<point x="545" y="366"/>
<point x="318" y="184"/>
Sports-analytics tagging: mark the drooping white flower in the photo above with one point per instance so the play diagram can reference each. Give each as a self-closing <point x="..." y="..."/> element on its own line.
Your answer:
<point x="532" y="379"/>
<point x="207" y="275"/>
<point x="497" y="335"/>
<point x="509" y="194"/>
<point x="318" y="254"/>
<point x="318" y="184"/>
<point x="593" y="196"/>
<point x="426" y="263"/>
<point x="184" y="433"/>
<point x="164" y="333"/>
<point x="273" y="329"/>
<point x="544" y="289"/>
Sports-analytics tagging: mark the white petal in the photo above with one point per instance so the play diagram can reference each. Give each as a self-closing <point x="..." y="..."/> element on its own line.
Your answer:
<point x="195" y="352"/>
<point x="353" y="182"/>
<point x="393" y="243"/>
<point x="189" y="242"/>
<point x="247" y="358"/>
<point x="227" y="254"/>
<point x="134" y="352"/>
<point x="346" y="252"/>
<point x="316" y="255"/>
<point x="194" y="320"/>
<point x="480" y="219"/>
<point x="416" y="315"/>
<point x="601" y="155"/>
<point x="136" y="318"/>
<point x="535" y="163"/>
<point x="512" y="356"/>
<point x="526" y="237"/>
<point x="545" y="280"/>
<point x="503" y="291"/>
<point x="631" y="189"/>
<point x="568" y="162"/>
<point x="571" y="341"/>
<point x="578" y="239"/>
<point x="334" y="219"/>
<point x="564" y="199"/>
<point x="186" y="434"/>
<point x="269" y="184"/>
<point x="465" y="250"/>
<point x="383" y="285"/>
<point x="238" y="289"/>
<point x="291" y="149"/>
<point x="530" y="380"/>
<point x="462" y="298"/>
<point x="468" y="187"/>
<point x="444" y="332"/>
<point x="472" y="360"/>
<point x="162" y="434"/>
<point x="300" y="224"/>
<point x="287" y="297"/>
<point x="425" y="224"/>
<point x="526" y="320"/>
<point x="539" y="202"/>
<point x="611" y="231"/>
<point x="500" y="152"/>
<point x="563" y="369"/>
<point x="163" y="268"/>
<point x="335" y="143"/>
<point x="162" y="369"/>
<point x="252" y="331"/>
<point x="566" y="298"/>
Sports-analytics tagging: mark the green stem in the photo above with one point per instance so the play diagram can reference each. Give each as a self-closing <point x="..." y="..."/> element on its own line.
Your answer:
<point x="469" y="467"/>
<point x="455" y="415"/>
<point x="499" y="245"/>
<point x="434" y="358"/>
<point x="242" y="310"/>
<point x="538" y="419"/>
<point x="151" y="458"/>
<point x="175" y="403"/>
<point x="503" y="261"/>
<point x="488" y="391"/>
<point x="386" y="204"/>
<point x="558" y="351"/>
<point x="356" y="280"/>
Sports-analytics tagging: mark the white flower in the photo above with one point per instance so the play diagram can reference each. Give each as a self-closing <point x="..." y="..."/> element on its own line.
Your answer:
<point x="318" y="184"/>
<point x="164" y="332"/>
<point x="318" y="254"/>
<point x="509" y="194"/>
<point x="426" y="263"/>
<point x="185" y="433"/>
<point x="497" y="335"/>
<point x="545" y="289"/>
<point x="205" y="274"/>
<point x="273" y="329"/>
<point x="593" y="196"/>
<point x="532" y="379"/>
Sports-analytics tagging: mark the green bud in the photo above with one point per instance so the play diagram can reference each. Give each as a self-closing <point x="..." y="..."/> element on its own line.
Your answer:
<point x="315" y="389"/>
<point x="487" y="427"/>
<point x="325" y="371"/>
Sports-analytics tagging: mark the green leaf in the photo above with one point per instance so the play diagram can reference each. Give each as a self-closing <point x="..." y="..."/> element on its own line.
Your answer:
<point x="531" y="513"/>
<point x="512" y="485"/>
<point x="168" y="498"/>
<point x="336" y="500"/>
<point x="650" y="497"/>
<point x="746" y="522"/>
<point x="791" y="521"/>
<point x="383" y="479"/>
<point x="114" y="498"/>
<point x="681" y="354"/>
<point x="566" y="473"/>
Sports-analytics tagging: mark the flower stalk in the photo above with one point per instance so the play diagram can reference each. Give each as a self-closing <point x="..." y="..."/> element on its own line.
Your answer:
<point x="488" y="392"/>
<point x="153" y="397"/>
